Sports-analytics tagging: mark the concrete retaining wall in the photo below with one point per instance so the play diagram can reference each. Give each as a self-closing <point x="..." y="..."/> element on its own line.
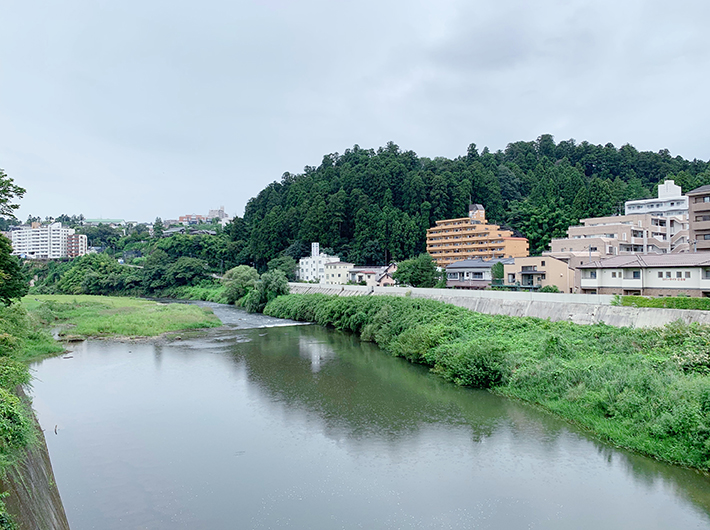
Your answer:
<point x="577" y="308"/>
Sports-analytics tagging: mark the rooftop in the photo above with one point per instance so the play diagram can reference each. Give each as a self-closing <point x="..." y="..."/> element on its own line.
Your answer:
<point x="687" y="259"/>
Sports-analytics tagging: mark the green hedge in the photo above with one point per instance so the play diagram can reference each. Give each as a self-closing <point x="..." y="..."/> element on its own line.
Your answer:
<point x="669" y="302"/>
<point x="647" y="390"/>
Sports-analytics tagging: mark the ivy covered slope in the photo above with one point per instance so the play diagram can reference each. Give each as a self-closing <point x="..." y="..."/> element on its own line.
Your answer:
<point x="646" y="390"/>
<point x="373" y="206"/>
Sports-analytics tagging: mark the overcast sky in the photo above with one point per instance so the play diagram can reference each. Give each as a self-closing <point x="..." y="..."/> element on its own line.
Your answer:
<point x="137" y="109"/>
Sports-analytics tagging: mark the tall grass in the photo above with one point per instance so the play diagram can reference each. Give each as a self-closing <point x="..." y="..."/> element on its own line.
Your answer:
<point x="103" y="316"/>
<point x="647" y="390"/>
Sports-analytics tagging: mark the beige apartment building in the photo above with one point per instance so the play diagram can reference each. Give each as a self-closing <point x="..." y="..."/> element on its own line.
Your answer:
<point x="626" y="234"/>
<point x="540" y="271"/>
<point x="337" y="273"/>
<point x="471" y="237"/>
<point x="699" y="214"/>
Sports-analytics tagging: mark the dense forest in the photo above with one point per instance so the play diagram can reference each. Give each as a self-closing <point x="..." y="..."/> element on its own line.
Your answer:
<point x="371" y="206"/>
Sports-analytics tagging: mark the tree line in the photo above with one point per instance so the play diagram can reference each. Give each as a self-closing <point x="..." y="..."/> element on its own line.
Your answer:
<point x="373" y="206"/>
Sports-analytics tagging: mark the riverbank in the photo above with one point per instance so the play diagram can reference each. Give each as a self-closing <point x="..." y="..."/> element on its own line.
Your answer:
<point x="647" y="390"/>
<point x="84" y="316"/>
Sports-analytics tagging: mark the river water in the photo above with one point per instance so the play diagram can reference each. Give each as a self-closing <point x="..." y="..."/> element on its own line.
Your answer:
<point x="306" y="428"/>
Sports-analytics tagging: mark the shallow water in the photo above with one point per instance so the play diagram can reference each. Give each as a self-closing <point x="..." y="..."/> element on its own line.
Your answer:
<point x="302" y="427"/>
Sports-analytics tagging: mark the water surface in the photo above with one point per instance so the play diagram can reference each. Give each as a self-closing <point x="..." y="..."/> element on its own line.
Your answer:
<point x="302" y="427"/>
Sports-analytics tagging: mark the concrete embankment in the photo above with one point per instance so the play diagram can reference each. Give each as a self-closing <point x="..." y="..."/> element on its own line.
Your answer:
<point x="33" y="497"/>
<point x="577" y="308"/>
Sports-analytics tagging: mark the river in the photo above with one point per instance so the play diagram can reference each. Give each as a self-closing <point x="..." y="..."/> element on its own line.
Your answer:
<point x="306" y="428"/>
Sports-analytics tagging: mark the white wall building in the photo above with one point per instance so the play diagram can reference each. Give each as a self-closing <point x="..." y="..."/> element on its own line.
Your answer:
<point x="670" y="202"/>
<point x="41" y="242"/>
<point x="312" y="268"/>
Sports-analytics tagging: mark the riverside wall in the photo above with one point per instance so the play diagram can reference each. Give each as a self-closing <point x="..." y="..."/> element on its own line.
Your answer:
<point x="33" y="497"/>
<point x="576" y="308"/>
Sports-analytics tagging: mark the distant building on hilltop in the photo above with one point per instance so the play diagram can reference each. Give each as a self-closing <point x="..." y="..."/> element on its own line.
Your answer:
<point x="217" y="214"/>
<point x="47" y="242"/>
<point x="471" y="237"/>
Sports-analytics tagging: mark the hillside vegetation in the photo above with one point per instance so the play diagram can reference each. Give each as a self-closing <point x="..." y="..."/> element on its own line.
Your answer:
<point x="371" y="206"/>
<point x="644" y="389"/>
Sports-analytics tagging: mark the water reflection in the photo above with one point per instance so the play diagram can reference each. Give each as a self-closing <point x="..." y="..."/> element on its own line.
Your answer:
<point x="302" y="427"/>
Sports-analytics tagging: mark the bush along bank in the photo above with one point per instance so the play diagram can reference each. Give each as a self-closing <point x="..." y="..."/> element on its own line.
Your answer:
<point x="21" y="340"/>
<point x="643" y="389"/>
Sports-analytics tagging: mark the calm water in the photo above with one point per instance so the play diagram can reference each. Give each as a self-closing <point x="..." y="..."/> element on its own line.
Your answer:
<point x="301" y="427"/>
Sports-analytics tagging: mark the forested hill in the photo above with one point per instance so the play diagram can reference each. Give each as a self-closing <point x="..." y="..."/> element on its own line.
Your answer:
<point x="372" y="206"/>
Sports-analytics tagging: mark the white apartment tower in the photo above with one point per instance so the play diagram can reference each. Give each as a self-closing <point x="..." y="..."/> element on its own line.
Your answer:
<point x="46" y="242"/>
<point x="670" y="202"/>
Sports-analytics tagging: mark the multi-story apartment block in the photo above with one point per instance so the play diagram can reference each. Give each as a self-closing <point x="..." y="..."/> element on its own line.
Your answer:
<point x="699" y="214"/>
<point x="77" y="245"/>
<point x="670" y="202"/>
<point x="471" y="237"/>
<point x="649" y="275"/>
<point x="44" y="242"/>
<point x="312" y="268"/>
<point x="626" y="234"/>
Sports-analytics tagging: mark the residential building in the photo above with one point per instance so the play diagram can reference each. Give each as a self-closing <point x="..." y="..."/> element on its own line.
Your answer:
<point x="626" y="234"/>
<point x="699" y="214"/>
<point x="192" y="219"/>
<point x="312" y="268"/>
<point x="649" y="275"/>
<point x="540" y="271"/>
<point x="472" y="273"/>
<point x="471" y="237"/>
<point x="574" y="260"/>
<point x="670" y="202"/>
<point x="42" y="241"/>
<point x="77" y="245"/>
<point x="337" y="272"/>
<point x="217" y="214"/>
<point x="373" y="276"/>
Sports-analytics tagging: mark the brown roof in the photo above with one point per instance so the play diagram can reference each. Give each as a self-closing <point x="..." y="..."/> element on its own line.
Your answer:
<point x="685" y="259"/>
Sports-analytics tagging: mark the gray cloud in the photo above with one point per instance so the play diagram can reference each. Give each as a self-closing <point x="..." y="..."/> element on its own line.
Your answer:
<point x="137" y="109"/>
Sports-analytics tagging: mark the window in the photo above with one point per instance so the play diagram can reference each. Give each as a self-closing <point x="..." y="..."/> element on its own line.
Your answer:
<point x="636" y="275"/>
<point x="687" y="274"/>
<point x="668" y="274"/>
<point x="542" y="263"/>
<point x="613" y="274"/>
<point x="679" y="274"/>
<point x="511" y="278"/>
<point x="660" y="274"/>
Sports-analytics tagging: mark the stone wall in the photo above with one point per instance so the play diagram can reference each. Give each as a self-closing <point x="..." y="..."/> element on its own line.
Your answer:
<point x="33" y="499"/>
<point x="577" y="308"/>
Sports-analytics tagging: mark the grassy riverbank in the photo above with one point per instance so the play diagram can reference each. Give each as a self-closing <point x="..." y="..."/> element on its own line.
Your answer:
<point x="114" y="316"/>
<point x="646" y="390"/>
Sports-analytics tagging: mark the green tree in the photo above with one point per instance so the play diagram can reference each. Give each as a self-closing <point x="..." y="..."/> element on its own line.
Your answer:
<point x="158" y="227"/>
<point x="285" y="264"/>
<point x="498" y="271"/>
<point x="417" y="272"/>
<point x="8" y="192"/>
<point x="13" y="285"/>
<point x="271" y="285"/>
<point x="238" y="282"/>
